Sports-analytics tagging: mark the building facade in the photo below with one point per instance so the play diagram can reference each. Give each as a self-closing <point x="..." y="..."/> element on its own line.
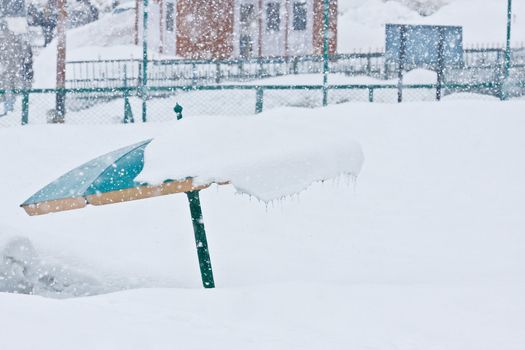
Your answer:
<point x="220" y="29"/>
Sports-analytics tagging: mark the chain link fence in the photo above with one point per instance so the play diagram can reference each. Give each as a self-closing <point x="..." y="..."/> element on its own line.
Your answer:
<point x="112" y="91"/>
<point x="485" y="61"/>
<point x="119" y="105"/>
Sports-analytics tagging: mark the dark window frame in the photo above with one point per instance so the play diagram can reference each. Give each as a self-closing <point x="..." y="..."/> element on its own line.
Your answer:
<point x="170" y="17"/>
<point x="246" y="46"/>
<point x="247" y="13"/>
<point x="273" y="17"/>
<point x="300" y="16"/>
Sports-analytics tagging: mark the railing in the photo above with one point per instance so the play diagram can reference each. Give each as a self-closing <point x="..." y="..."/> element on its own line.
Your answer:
<point x="111" y="73"/>
<point x="195" y="72"/>
<point x="86" y="106"/>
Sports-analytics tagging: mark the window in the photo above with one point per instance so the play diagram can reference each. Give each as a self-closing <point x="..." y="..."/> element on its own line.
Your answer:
<point x="12" y="8"/>
<point x="170" y="17"/>
<point x="273" y="19"/>
<point x="246" y="46"/>
<point x="299" y="16"/>
<point x="247" y="13"/>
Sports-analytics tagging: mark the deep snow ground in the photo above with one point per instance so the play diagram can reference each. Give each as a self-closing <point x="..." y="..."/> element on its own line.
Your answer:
<point x="425" y="252"/>
<point x="292" y="316"/>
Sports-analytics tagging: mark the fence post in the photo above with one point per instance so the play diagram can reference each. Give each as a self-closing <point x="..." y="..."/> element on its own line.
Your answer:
<point x="260" y="70"/>
<point x="193" y="74"/>
<point x="60" y="98"/>
<point x="218" y="73"/>
<point x="401" y="63"/>
<point x="440" y="63"/>
<point x="507" y="52"/>
<point x="241" y="69"/>
<point x="145" y="4"/>
<point x="259" y="96"/>
<point x="139" y="75"/>
<point x="499" y="73"/>
<point x="128" y="113"/>
<point x="326" y="49"/>
<point x="25" y="107"/>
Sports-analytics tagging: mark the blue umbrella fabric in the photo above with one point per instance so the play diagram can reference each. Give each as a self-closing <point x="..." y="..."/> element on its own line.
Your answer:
<point x="107" y="179"/>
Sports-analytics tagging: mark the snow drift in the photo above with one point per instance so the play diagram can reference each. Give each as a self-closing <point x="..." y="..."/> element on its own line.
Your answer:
<point x="425" y="253"/>
<point x="268" y="158"/>
<point x="24" y="271"/>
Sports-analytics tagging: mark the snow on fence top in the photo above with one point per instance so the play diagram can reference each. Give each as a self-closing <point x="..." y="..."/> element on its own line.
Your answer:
<point x="269" y="158"/>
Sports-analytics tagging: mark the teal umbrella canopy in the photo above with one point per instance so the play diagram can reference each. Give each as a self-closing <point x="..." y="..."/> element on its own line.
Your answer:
<point x="110" y="172"/>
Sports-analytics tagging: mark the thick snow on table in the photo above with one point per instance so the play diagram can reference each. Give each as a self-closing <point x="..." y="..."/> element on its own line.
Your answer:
<point x="424" y="251"/>
<point x="268" y="158"/>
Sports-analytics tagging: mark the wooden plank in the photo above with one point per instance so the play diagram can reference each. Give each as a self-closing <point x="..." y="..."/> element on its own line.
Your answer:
<point x="129" y="194"/>
<point x="55" y="206"/>
<point x="141" y="192"/>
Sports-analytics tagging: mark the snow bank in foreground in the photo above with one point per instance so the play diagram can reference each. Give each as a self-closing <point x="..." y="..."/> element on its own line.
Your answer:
<point x="23" y="271"/>
<point x="426" y="253"/>
<point x="293" y="316"/>
<point x="268" y="158"/>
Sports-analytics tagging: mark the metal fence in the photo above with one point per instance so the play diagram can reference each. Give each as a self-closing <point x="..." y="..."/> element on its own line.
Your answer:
<point x="123" y="104"/>
<point x="182" y="72"/>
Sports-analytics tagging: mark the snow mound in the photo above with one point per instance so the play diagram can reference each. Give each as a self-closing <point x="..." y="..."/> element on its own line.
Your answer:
<point x="423" y="7"/>
<point x="265" y="157"/>
<point x="469" y="96"/>
<point x="23" y="271"/>
<point x="419" y="76"/>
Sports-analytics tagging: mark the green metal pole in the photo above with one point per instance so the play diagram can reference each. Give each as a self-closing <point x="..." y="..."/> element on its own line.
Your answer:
<point x="259" y="99"/>
<point x="128" y="113"/>
<point x="200" y="239"/>
<point x="60" y="98"/>
<point x="144" y="59"/>
<point x="326" y="27"/>
<point x="506" y="71"/>
<point x="401" y="63"/>
<point x="25" y="107"/>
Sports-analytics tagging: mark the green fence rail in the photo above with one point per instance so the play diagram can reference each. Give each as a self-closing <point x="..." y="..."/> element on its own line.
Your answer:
<point x="123" y="104"/>
<point x="168" y="72"/>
